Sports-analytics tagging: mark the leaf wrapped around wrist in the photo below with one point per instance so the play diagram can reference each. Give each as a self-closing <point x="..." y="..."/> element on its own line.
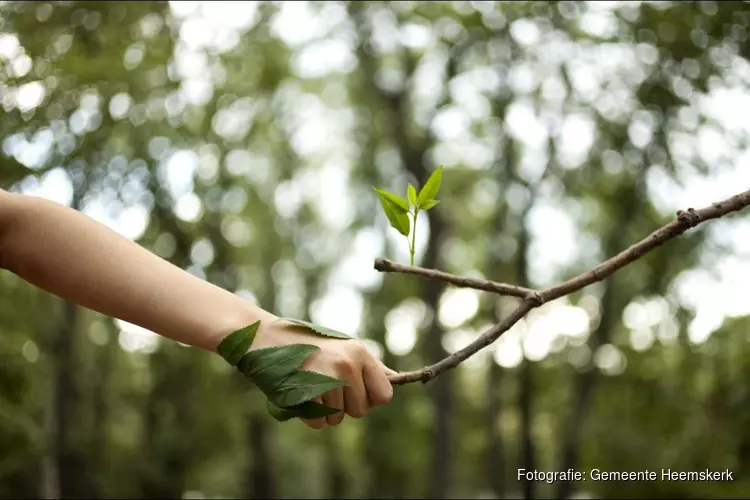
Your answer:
<point x="276" y="372"/>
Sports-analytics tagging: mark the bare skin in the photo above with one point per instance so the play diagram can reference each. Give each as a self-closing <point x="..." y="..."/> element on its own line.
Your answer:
<point x="70" y="255"/>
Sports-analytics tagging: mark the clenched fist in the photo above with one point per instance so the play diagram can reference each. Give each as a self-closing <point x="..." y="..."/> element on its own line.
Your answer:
<point x="344" y="359"/>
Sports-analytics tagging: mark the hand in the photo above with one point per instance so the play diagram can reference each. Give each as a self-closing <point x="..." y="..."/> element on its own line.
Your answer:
<point x="345" y="359"/>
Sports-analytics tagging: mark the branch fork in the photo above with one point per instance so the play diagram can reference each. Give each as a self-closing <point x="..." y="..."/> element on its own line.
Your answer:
<point x="531" y="298"/>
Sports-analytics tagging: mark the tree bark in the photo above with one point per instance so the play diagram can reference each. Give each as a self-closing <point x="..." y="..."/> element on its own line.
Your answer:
<point x="260" y="483"/>
<point x="49" y="487"/>
<point x="98" y="440"/>
<point x="586" y="381"/>
<point x="495" y="458"/>
<point x="526" y="377"/>
<point x="585" y="386"/>
<point x="72" y="472"/>
<point x="337" y="480"/>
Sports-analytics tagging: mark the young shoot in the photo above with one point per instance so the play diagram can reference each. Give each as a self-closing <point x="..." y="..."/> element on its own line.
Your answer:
<point x="398" y="209"/>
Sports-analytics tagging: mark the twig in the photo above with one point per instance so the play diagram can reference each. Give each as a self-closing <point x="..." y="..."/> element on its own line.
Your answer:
<point x="685" y="220"/>
<point x="388" y="266"/>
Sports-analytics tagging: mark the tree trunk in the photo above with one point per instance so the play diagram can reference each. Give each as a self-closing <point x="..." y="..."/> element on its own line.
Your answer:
<point x="49" y="487"/>
<point x="610" y="314"/>
<point x="336" y="478"/>
<point x="72" y="473"/>
<point x="526" y="377"/>
<point x="495" y="460"/>
<point x="440" y="389"/>
<point x="528" y="459"/>
<point x="260" y="484"/>
<point x="98" y="439"/>
<point x="154" y="481"/>
<point x="585" y="386"/>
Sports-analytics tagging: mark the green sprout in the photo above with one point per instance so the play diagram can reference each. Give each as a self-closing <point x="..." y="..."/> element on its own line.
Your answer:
<point x="398" y="209"/>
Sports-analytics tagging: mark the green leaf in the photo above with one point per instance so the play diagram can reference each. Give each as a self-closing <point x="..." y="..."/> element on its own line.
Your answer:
<point x="412" y="194"/>
<point x="307" y="410"/>
<point x="402" y="223"/>
<point x="269" y="367"/>
<point x="429" y="204"/>
<point x="396" y="209"/>
<point x="303" y="386"/>
<point x="399" y="219"/>
<point x="393" y="198"/>
<point x="276" y="372"/>
<point x="430" y="189"/>
<point x="235" y="345"/>
<point x="322" y="330"/>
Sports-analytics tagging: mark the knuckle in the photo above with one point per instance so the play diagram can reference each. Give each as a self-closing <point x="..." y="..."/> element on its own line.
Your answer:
<point x="359" y="349"/>
<point x="341" y="363"/>
<point x="344" y="366"/>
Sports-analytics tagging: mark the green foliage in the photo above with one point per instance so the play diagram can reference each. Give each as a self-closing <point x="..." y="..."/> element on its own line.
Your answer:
<point x="429" y="204"/>
<point x="393" y="199"/>
<point x="322" y="330"/>
<point x="275" y="371"/>
<point x="235" y="345"/>
<point x="430" y="189"/>
<point x="398" y="210"/>
<point x="412" y="194"/>
<point x="308" y="410"/>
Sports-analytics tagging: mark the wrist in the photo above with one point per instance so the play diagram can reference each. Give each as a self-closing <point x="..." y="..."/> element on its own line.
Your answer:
<point x="248" y="315"/>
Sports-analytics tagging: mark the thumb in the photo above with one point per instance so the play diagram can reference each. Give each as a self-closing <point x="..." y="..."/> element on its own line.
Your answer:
<point x="387" y="370"/>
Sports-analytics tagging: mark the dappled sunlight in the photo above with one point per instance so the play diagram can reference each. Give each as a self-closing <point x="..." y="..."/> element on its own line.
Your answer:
<point x="610" y="360"/>
<point x="545" y="331"/>
<point x="508" y="351"/>
<point x="133" y="338"/>
<point x="457" y="306"/>
<point x="334" y="205"/>
<point x="29" y="96"/>
<point x="457" y="339"/>
<point x="548" y="328"/>
<point x="178" y="172"/>
<point x="401" y="326"/>
<point x="214" y="23"/>
<point x="339" y="308"/>
<point x="645" y="314"/>
<point x="55" y="185"/>
<point x="324" y="57"/>
<point x="188" y="207"/>
<point x="556" y="242"/>
<point x="579" y="357"/>
<point x="712" y="294"/>
<point x="355" y="268"/>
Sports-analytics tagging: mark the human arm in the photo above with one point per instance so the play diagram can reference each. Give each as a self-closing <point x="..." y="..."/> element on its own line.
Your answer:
<point x="68" y="254"/>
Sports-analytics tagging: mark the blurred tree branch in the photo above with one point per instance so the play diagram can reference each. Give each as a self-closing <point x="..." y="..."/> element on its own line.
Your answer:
<point x="686" y="219"/>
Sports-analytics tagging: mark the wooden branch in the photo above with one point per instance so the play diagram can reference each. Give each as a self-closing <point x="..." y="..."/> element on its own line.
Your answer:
<point x="531" y="298"/>
<point x="388" y="266"/>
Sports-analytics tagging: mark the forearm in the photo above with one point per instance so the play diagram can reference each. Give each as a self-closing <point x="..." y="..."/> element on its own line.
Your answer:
<point x="76" y="258"/>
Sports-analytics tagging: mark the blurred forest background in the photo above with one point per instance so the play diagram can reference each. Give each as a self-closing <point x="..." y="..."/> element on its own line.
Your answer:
<point x="241" y="140"/>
